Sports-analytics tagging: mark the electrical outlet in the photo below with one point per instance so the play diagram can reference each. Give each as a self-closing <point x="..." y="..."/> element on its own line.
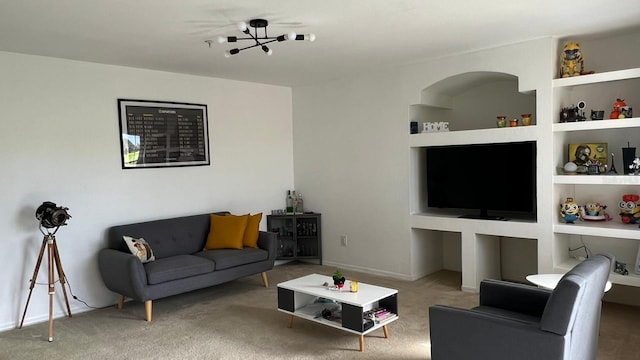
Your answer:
<point x="343" y="240"/>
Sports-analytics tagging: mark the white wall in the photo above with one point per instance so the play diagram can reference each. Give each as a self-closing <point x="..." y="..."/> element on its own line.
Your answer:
<point x="352" y="158"/>
<point x="60" y="142"/>
<point x="351" y="165"/>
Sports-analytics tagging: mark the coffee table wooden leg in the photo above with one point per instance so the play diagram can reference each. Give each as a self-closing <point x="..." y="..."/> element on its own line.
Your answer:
<point x="361" y="343"/>
<point x="290" y="321"/>
<point x="386" y="332"/>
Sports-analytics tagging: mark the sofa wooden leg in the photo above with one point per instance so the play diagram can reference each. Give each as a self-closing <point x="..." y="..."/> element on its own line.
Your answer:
<point x="148" y="307"/>
<point x="265" y="281"/>
<point x="121" y="302"/>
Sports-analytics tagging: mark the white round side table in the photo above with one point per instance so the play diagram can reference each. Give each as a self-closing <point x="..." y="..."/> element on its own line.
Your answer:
<point x="549" y="281"/>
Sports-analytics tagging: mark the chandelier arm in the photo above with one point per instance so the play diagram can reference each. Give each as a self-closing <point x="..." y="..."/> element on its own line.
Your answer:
<point x="255" y="45"/>
<point x="254" y="37"/>
<point x="262" y="38"/>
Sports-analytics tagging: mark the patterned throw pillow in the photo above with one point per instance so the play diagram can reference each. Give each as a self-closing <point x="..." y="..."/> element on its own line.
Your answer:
<point x="140" y="248"/>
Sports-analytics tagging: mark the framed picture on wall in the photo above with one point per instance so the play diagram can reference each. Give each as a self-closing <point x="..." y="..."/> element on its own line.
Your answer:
<point x="162" y="134"/>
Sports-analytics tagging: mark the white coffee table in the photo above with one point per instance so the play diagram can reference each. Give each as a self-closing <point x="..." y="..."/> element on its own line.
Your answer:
<point x="550" y="281"/>
<point x="300" y="298"/>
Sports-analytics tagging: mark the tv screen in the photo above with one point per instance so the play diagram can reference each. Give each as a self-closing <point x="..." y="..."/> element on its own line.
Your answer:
<point x="487" y="180"/>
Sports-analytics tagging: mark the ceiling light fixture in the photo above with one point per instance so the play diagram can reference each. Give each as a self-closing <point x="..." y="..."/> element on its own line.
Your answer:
<point x="260" y="40"/>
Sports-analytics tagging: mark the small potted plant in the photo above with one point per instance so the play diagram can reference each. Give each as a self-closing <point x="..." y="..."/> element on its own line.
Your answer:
<point x="338" y="279"/>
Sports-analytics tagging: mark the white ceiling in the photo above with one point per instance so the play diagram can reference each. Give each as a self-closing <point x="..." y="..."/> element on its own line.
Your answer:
<point x="352" y="35"/>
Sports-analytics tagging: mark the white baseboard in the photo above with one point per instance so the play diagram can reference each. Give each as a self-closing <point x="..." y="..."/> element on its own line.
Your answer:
<point x="368" y="270"/>
<point x="41" y="318"/>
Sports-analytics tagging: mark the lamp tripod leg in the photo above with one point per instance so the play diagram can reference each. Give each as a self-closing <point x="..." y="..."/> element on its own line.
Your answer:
<point x="61" y="275"/>
<point x="33" y="279"/>
<point x="53" y="261"/>
<point x="52" y="290"/>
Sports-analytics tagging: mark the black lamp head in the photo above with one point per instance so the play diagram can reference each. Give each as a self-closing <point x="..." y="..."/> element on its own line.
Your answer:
<point x="50" y="215"/>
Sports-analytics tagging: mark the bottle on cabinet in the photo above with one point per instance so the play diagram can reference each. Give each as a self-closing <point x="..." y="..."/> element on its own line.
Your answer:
<point x="299" y="204"/>
<point x="289" y="202"/>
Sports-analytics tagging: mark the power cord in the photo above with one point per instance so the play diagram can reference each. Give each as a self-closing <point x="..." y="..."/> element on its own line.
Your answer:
<point x="73" y="295"/>
<point x="79" y="300"/>
<point x="587" y="251"/>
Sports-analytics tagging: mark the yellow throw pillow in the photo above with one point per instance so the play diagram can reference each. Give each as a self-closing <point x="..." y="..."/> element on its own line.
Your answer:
<point x="226" y="232"/>
<point x="252" y="231"/>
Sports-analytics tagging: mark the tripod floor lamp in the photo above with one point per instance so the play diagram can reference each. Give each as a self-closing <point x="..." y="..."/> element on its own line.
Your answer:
<point x="50" y="217"/>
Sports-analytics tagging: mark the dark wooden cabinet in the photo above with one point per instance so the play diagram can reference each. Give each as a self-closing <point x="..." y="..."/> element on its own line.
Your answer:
<point x="299" y="236"/>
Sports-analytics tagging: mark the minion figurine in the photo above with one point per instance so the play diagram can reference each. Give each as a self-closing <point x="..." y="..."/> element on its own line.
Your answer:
<point x="570" y="211"/>
<point x="594" y="211"/>
<point x="630" y="208"/>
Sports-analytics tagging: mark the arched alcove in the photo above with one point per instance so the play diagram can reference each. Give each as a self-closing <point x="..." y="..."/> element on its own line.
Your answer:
<point x="470" y="103"/>
<point x="473" y="100"/>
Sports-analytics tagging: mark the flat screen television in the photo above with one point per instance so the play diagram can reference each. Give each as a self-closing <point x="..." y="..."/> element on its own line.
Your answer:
<point x="489" y="181"/>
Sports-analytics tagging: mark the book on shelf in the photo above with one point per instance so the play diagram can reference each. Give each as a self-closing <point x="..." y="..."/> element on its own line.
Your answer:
<point x="387" y="318"/>
<point x="379" y="315"/>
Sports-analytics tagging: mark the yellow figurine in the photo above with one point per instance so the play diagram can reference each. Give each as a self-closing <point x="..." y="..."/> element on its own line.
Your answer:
<point x="571" y="62"/>
<point x="570" y="211"/>
<point x="630" y="208"/>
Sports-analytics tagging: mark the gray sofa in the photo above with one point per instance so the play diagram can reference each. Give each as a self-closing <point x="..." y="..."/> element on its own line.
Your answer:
<point x="518" y="321"/>
<point x="180" y="264"/>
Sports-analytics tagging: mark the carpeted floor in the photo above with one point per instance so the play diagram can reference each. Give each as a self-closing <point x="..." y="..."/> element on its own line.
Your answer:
<point x="239" y="320"/>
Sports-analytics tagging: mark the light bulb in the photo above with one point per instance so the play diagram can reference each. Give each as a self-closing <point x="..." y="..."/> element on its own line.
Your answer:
<point x="231" y="52"/>
<point x="267" y="50"/>
<point x="242" y="26"/>
<point x="311" y="37"/>
<point x="291" y="35"/>
<point x="221" y="39"/>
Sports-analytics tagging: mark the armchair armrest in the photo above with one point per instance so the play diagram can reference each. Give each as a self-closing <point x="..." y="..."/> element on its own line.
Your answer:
<point x="521" y="298"/>
<point x="123" y="273"/>
<point x="467" y="334"/>
<point x="268" y="241"/>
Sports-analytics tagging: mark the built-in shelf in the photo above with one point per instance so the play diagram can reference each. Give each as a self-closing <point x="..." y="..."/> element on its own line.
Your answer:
<point x="597" y="179"/>
<point x="597" y="78"/>
<point x="611" y="235"/>
<point x="597" y="125"/>
<point x="629" y="280"/>
<point x="480" y="136"/>
<point x="612" y="229"/>
<point x="447" y="222"/>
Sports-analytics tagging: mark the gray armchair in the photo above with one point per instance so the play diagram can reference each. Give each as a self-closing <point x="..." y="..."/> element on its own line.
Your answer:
<point x="517" y="321"/>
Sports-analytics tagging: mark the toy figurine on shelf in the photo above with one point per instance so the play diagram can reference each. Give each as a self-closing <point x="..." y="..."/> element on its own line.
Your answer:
<point x="570" y="211"/>
<point x="635" y="167"/>
<point x="630" y="208"/>
<point x="621" y="110"/>
<point x="594" y="212"/>
<point x="621" y="268"/>
<point x="571" y="61"/>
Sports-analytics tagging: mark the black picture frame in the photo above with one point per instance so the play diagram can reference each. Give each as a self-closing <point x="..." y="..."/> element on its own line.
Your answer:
<point x="157" y="134"/>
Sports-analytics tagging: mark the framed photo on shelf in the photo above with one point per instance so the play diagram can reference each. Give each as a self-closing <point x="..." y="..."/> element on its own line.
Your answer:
<point x="594" y="153"/>
<point x="162" y="134"/>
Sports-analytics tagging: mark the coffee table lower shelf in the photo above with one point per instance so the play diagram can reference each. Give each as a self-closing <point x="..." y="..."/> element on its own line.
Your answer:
<point x="299" y="298"/>
<point x="339" y="326"/>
